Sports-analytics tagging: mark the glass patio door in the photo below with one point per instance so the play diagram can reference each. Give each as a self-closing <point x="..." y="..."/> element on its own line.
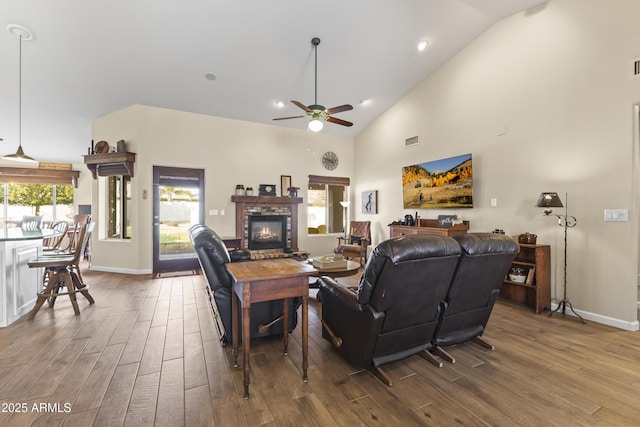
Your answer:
<point x="177" y="205"/>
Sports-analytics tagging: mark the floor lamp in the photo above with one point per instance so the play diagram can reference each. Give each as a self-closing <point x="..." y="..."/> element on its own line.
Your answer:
<point x="547" y="201"/>
<point x="345" y="204"/>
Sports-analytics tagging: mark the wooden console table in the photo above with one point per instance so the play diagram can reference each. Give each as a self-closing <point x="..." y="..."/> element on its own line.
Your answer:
<point x="268" y="280"/>
<point x="428" y="226"/>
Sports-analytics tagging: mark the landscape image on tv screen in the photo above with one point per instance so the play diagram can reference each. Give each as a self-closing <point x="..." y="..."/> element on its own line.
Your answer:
<point x="446" y="183"/>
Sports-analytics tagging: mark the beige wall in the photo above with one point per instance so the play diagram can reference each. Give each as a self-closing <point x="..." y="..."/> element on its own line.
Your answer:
<point x="230" y="151"/>
<point x="558" y="79"/>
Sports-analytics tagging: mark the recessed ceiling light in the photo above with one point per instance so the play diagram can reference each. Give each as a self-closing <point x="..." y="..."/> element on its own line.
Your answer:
<point x="210" y="76"/>
<point x="279" y="104"/>
<point x="365" y="102"/>
<point x="20" y="32"/>
<point x="423" y="45"/>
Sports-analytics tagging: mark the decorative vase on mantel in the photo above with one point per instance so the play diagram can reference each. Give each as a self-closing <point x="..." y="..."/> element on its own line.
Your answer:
<point x="239" y="190"/>
<point x="293" y="192"/>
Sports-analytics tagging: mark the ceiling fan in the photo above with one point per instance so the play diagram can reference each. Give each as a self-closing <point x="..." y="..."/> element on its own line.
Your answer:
<point x="316" y="112"/>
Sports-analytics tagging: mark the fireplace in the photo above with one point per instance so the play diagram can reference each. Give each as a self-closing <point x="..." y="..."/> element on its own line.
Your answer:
<point x="267" y="232"/>
<point x="248" y="206"/>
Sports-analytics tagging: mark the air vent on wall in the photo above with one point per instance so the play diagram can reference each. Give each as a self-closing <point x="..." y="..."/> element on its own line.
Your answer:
<point x="409" y="142"/>
<point x="635" y="68"/>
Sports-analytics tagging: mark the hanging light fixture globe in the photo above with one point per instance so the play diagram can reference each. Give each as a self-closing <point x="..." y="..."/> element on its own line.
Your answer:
<point x="315" y="125"/>
<point x="21" y="33"/>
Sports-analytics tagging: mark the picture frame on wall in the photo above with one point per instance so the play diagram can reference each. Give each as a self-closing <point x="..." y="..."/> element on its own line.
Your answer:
<point x="370" y="202"/>
<point x="285" y="183"/>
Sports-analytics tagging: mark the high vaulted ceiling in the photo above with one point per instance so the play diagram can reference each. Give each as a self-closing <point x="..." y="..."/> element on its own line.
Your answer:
<point x="90" y="58"/>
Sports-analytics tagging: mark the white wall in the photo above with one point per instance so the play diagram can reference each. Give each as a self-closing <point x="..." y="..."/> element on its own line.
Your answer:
<point x="231" y="152"/>
<point x="558" y="79"/>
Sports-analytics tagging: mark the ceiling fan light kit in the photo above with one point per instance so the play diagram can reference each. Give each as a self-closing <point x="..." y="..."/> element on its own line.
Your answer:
<point x="317" y="113"/>
<point x="315" y="125"/>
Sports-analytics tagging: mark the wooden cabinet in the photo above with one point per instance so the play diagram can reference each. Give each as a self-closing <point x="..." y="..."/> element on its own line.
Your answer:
<point x="428" y="226"/>
<point x="536" y="291"/>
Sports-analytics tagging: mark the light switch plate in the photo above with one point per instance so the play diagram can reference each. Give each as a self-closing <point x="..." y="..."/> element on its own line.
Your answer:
<point x="617" y="215"/>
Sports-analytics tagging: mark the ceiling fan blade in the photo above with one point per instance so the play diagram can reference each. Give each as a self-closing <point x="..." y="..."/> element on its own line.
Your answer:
<point x="301" y="105"/>
<point x="339" y="109"/>
<point x="287" y="118"/>
<point x="339" y="121"/>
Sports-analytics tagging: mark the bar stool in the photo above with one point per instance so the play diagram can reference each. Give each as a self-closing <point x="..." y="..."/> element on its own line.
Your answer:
<point x="63" y="272"/>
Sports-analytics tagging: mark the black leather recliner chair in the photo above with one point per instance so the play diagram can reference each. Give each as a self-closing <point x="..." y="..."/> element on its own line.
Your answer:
<point x="475" y="287"/>
<point x="396" y="309"/>
<point x="266" y="317"/>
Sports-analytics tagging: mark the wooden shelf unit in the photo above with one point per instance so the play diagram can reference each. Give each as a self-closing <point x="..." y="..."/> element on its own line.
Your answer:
<point x="110" y="164"/>
<point x="428" y="226"/>
<point x="536" y="294"/>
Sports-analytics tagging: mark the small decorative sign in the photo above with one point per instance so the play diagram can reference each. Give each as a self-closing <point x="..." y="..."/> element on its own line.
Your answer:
<point x="55" y="166"/>
<point x="446" y="221"/>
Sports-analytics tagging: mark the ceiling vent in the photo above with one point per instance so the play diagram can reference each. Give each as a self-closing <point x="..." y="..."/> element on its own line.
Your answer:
<point x="635" y="68"/>
<point x="410" y="142"/>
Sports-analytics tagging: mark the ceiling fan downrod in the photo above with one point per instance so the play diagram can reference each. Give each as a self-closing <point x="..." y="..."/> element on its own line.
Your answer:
<point x="315" y="42"/>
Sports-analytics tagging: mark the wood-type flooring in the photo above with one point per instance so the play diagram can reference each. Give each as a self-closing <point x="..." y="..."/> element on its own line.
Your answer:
<point x="147" y="354"/>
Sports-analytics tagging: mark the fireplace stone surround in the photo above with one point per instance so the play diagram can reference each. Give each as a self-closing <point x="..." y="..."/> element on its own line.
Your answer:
<point x="267" y="205"/>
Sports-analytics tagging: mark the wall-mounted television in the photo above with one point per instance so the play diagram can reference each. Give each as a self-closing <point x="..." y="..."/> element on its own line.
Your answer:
<point x="438" y="184"/>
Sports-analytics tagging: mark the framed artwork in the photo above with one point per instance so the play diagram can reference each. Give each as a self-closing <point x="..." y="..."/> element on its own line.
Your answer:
<point x="370" y="202"/>
<point x="445" y="183"/>
<point x="285" y="183"/>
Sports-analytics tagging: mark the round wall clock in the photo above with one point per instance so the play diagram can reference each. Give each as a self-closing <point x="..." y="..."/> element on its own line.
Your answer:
<point x="330" y="160"/>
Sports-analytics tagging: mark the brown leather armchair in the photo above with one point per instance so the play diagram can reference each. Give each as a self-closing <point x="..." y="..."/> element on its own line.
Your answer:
<point x="475" y="287"/>
<point x="356" y="244"/>
<point x="266" y="316"/>
<point x="396" y="309"/>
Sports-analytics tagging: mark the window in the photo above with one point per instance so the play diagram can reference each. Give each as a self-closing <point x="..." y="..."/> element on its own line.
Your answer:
<point x="119" y="207"/>
<point x="52" y="202"/>
<point x="325" y="214"/>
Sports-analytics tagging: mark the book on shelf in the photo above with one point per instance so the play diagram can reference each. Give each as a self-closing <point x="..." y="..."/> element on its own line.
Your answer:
<point x="530" y="276"/>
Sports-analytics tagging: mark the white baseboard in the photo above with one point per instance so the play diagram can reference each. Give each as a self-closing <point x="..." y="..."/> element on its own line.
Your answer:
<point x="119" y="270"/>
<point x="605" y="320"/>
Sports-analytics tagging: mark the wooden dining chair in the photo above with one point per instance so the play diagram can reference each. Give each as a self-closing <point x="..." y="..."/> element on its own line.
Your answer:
<point x="62" y="274"/>
<point x="54" y="243"/>
<point x="31" y="222"/>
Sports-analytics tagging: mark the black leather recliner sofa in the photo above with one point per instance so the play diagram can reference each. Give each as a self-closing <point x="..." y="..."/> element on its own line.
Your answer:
<point x="213" y="255"/>
<point x="484" y="263"/>
<point x="417" y="293"/>
<point x="397" y="307"/>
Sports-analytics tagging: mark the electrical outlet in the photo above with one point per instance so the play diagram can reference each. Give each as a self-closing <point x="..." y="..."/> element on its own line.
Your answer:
<point x="494" y="202"/>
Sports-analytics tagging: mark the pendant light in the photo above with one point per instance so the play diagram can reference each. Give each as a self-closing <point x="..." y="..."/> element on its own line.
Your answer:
<point x="21" y="33"/>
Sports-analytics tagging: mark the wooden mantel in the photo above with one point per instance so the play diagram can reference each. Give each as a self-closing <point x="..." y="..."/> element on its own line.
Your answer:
<point x="110" y="164"/>
<point x="243" y="201"/>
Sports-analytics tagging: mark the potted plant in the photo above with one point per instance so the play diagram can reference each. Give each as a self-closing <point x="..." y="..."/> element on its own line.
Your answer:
<point x="293" y="191"/>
